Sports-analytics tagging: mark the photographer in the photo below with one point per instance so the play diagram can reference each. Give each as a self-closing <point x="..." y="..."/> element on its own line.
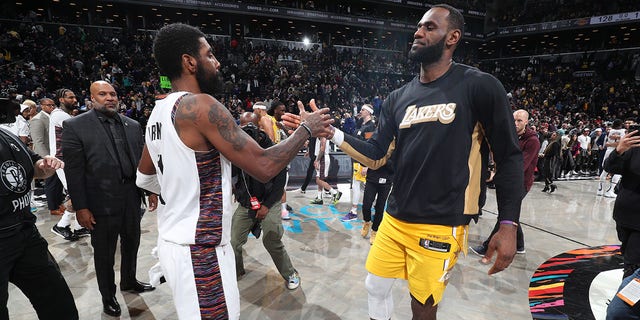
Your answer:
<point x="625" y="160"/>
<point x="24" y="258"/>
<point x="259" y="210"/>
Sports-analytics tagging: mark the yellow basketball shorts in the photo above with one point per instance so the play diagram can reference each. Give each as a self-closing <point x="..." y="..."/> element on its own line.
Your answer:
<point x="422" y="254"/>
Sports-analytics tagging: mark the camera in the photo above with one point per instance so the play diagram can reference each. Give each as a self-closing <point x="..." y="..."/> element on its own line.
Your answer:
<point x="252" y="130"/>
<point x="256" y="228"/>
<point x="634" y="127"/>
<point x="8" y="110"/>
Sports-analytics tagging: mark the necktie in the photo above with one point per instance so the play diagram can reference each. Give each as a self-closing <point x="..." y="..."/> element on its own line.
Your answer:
<point x="121" y="148"/>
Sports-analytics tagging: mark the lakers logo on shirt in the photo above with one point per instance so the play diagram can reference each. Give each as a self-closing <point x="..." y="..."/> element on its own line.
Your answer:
<point x="444" y="112"/>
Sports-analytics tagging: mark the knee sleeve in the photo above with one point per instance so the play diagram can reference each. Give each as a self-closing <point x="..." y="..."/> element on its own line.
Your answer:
<point x="379" y="296"/>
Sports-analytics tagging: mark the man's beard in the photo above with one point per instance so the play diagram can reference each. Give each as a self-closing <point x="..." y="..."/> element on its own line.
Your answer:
<point x="209" y="83"/>
<point x="428" y="54"/>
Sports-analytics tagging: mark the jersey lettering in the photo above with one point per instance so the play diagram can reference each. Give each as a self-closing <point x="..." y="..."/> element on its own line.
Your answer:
<point x="155" y="131"/>
<point x="445" y="113"/>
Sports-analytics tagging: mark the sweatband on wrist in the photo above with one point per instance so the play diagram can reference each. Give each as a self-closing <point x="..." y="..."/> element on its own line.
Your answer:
<point x="338" y="137"/>
<point x="306" y="127"/>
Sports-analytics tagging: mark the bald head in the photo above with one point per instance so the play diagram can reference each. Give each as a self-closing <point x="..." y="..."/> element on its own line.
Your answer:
<point x="248" y="117"/>
<point x="521" y="118"/>
<point x="104" y="98"/>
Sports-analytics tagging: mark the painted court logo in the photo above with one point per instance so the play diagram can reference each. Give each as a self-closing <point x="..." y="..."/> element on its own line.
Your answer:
<point x="13" y="176"/>
<point x="444" y="112"/>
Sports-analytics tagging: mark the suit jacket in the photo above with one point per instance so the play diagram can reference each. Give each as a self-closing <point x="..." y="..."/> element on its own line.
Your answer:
<point x="39" y="126"/>
<point x="91" y="164"/>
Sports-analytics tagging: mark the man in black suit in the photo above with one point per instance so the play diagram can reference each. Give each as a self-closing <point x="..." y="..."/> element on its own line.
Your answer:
<point x="102" y="149"/>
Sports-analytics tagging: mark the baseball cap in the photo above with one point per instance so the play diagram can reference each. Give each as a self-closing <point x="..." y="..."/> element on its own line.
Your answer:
<point x="23" y="107"/>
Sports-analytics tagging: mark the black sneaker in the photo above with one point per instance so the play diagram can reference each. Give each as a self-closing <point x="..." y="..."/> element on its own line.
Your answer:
<point x="82" y="232"/>
<point x="65" y="233"/>
<point x="479" y="250"/>
<point x="336" y="197"/>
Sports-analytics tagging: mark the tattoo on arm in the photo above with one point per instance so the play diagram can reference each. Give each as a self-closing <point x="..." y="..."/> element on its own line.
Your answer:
<point x="186" y="111"/>
<point x="219" y="117"/>
<point x="285" y="151"/>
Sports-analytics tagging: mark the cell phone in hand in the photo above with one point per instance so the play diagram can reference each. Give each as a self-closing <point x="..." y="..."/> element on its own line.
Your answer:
<point x="634" y="127"/>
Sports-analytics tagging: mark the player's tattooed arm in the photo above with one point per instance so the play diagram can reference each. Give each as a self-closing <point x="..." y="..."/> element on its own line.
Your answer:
<point x="219" y="116"/>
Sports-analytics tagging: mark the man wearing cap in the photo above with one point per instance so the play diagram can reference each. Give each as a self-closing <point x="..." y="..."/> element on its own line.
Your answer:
<point x="585" y="151"/>
<point x="19" y="127"/>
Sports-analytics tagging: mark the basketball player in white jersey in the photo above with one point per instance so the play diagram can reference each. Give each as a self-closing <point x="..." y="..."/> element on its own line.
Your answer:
<point x="68" y="226"/>
<point x="614" y="135"/>
<point x="191" y="141"/>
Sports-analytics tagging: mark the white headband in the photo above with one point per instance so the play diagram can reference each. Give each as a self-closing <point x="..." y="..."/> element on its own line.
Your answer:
<point x="368" y="108"/>
<point x="259" y="106"/>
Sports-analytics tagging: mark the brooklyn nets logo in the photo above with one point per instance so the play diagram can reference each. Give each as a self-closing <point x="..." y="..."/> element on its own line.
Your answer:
<point x="13" y="176"/>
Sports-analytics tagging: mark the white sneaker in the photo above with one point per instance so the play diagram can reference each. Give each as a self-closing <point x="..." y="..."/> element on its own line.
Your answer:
<point x="299" y="190"/>
<point x="610" y="194"/>
<point x="284" y="214"/>
<point x="294" y="281"/>
<point x="600" y="189"/>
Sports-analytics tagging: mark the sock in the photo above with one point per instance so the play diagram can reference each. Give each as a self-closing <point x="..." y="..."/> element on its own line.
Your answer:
<point x="284" y="206"/>
<point x="65" y="221"/>
<point x="333" y="191"/>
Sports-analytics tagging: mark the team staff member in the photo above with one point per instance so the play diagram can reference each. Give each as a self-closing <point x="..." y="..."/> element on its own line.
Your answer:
<point x="102" y="149"/>
<point x="24" y="258"/>
<point x="439" y="123"/>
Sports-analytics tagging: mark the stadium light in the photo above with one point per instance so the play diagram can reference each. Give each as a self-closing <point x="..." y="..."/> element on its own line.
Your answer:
<point x="306" y="41"/>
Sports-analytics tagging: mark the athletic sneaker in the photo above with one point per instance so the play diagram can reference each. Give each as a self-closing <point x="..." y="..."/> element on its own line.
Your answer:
<point x="294" y="281"/>
<point x="82" y="232"/>
<point x="317" y="201"/>
<point x="349" y="217"/>
<point x="521" y="251"/>
<point x="610" y="193"/>
<point x="300" y="190"/>
<point x="65" y="233"/>
<point x="600" y="191"/>
<point x="284" y="214"/>
<point x="336" y="197"/>
<point x="479" y="250"/>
